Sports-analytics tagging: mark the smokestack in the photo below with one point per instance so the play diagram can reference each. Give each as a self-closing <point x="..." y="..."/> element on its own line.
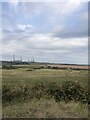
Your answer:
<point x="13" y="58"/>
<point x="21" y="58"/>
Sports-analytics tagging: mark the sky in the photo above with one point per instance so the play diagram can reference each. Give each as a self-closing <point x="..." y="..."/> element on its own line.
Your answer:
<point x="45" y="31"/>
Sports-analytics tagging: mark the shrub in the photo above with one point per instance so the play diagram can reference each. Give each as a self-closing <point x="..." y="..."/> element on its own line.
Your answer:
<point x="10" y="94"/>
<point x="54" y="91"/>
<point x="38" y="90"/>
<point x="6" y="94"/>
<point x="74" y="91"/>
<point x="69" y="90"/>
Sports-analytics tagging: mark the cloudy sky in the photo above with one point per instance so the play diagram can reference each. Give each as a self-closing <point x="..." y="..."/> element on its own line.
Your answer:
<point x="46" y="31"/>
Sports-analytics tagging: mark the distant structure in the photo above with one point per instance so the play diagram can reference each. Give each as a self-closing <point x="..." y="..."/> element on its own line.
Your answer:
<point x="13" y="58"/>
<point x="18" y="60"/>
<point x="21" y="59"/>
<point x="32" y="60"/>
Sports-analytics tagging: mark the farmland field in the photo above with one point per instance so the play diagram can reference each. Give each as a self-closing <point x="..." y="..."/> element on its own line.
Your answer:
<point x="25" y="93"/>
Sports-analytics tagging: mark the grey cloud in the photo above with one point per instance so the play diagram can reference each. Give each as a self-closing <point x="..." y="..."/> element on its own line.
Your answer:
<point x="68" y="44"/>
<point x="67" y="33"/>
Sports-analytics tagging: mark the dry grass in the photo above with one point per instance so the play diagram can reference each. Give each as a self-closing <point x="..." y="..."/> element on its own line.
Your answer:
<point x="21" y="76"/>
<point x="44" y="108"/>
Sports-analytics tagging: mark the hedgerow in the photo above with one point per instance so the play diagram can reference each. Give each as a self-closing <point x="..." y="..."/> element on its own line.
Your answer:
<point x="67" y="91"/>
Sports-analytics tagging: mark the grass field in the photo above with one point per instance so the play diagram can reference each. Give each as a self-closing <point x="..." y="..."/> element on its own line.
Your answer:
<point x="46" y="106"/>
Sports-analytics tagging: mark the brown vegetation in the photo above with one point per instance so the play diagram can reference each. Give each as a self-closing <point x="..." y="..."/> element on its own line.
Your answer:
<point x="60" y="66"/>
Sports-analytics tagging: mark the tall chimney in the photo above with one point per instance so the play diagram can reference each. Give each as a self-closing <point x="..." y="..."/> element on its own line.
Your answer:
<point x="13" y="58"/>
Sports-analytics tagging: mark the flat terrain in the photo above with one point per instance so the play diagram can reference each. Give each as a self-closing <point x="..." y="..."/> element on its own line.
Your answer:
<point x="82" y="67"/>
<point x="45" y="107"/>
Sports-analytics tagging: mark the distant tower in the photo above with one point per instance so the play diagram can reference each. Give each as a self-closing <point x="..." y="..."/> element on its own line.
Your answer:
<point x="32" y="60"/>
<point x="13" y="58"/>
<point x="21" y="58"/>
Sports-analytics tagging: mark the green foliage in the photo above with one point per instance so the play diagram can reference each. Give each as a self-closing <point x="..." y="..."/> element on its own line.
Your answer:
<point x="68" y="90"/>
<point x="74" y="91"/>
<point x="8" y="67"/>
<point x="13" y="94"/>
<point x="6" y="94"/>
<point x="38" y="90"/>
<point x="54" y="91"/>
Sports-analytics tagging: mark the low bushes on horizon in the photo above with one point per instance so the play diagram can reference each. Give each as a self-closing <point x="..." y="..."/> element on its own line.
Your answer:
<point x="8" y="67"/>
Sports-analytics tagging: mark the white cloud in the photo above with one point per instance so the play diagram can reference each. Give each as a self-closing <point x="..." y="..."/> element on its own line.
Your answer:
<point x="11" y="47"/>
<point x="45" y="42"/>
<point x="21" y="27"/>
<point x="48" y="47"/>
<point x="48" y="41"/>
<point x="24" y="27"/>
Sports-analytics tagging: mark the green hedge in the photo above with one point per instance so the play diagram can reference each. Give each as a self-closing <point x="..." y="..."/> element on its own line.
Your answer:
<point x="68" y="90"/>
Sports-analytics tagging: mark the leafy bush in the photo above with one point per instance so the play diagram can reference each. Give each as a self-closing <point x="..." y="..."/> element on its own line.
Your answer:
<point x="38" y="90"/>
<point x="11" y="94"/>
<point x="6" y="94"/>
<point x="74" y="91"/>
<point x="68" y="90"/>
<point x="54" y="91"/>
